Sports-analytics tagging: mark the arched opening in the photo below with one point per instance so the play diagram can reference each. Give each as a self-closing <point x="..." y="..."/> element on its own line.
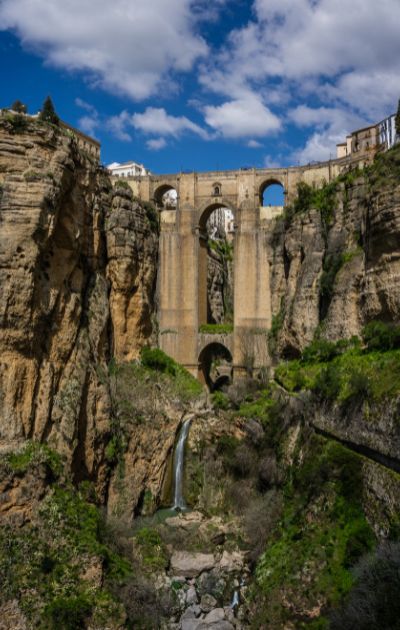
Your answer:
<point x="272" y="193"/>
<point x="166" y="197"/>
<point x="215" y="363"/>
<point x="216" y="251"/>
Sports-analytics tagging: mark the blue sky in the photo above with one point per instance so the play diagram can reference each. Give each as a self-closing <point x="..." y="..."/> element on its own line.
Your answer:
<point x="177" y="85"/>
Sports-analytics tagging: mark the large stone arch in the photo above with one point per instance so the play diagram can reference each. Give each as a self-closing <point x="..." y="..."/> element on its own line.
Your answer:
<point x="208" y="207"/>
<point x="203" y="214"/>
<point x="266" y="183"/>
<point x="223" y="375"/>
<point x="161" y="189"/>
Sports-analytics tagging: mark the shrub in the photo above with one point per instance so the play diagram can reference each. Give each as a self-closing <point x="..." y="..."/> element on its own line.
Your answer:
<point x="220" y="400"/>
<point x="327" y="383"/>
<point x="359" y="386"/>
<point x="330" y="268"/>
<point x="152" y="549"/>
<point x="68" y="613"/>
<point x="17" y="122"/>
<point x="381" y="336"/>
<point x="156" y="359"/>
<point x="374" y="600"/>
<point x="320" y="351"/>
<point x="19" y="107"/>
<point x="152" y="216"/>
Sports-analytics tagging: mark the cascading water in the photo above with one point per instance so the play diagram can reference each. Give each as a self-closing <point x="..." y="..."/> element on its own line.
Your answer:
<point x="179" y="457"/>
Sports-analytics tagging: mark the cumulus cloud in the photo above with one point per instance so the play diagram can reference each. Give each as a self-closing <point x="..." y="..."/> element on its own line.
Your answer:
<point x="89" y="124"/>
<point x="241" y="118"/>
<point x="117" y="126"/>
<point x="330" y="127"/>
<point x="155" y="144"/>
<point x="156" y="121"/>
<point x="127" y="47"/>
<point x="342" y="55"/>
<point x="254" y="144"/>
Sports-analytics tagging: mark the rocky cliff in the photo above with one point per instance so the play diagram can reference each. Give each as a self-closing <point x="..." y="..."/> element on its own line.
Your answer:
<point x="335" y="258"/>
<point x="77" y="271"/>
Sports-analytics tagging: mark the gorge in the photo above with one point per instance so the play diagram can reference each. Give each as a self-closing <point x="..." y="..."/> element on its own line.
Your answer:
<point x="291" y="475"/>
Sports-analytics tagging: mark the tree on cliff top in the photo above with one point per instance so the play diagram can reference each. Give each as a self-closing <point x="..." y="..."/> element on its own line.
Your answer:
<point x="48" y="113"/>
<point x="397" y="120"/>
<point x="19" y="107"/>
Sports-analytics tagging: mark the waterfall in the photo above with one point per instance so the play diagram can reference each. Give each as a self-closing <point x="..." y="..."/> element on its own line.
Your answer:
<point x="235" y="599"/>
<point x="179" y="456"/>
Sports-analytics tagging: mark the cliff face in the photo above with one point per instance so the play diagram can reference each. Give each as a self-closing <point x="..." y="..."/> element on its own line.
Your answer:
<point x="337" y="272"/>
<point x="77" y="270"/>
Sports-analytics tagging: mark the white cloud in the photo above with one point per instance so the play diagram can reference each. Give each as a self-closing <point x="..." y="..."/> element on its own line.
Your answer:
<point x="330" y="127"/>
<point x="155" y="144"/>
<point x="254" y="144"/>
<point x="156" y="121"/>
<point x="84" y="105"/>
<point x="340" y="55"/>
<point x="89" y="124"/>
<point x="242" y="118"/>
<point x="117" y="126"/>
<point x="130" y="47"/>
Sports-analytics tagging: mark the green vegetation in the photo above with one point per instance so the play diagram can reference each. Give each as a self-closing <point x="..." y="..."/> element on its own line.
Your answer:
<point x="48" y="113"/>
<point x="152" y="549"/>
<point x="32" y="454"/>
<point x="373" y="601"/>
<point x="345" y="371"/>
<point x="323" y="532"/>
<point x="19" y="107"/>
<point x="222" y="248"/>
<point x="381" y="336"/>
<point x="152" y="216"/>
<point x="216" y="329"/>
<point x="17" y="123"/>
<point x="43" y="563"/>
<point x="308" y="197"/>
<point x="220" y="400"/>
<point x="121" y="183"/>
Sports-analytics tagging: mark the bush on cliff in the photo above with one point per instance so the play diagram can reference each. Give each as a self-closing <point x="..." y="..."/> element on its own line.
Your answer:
<point x="374" y="601"/>
<point x="379" y="335"/>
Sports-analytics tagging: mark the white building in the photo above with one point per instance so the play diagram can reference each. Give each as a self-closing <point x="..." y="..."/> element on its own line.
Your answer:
<point x="387" y="132"/>
<point x="127" y="169"/>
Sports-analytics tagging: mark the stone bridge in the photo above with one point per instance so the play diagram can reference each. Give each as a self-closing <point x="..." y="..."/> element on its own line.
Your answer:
<point x="182" y="277"/>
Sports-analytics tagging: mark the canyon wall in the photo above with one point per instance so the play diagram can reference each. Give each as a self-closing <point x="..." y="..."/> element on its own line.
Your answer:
<point x="334" y="270"/>
<point x="77" y="272"/>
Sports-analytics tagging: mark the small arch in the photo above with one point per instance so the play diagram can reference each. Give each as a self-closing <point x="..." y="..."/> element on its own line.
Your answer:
<point x="217" y="189"/>
<point x="209" y="208"/>
<point x="215" y="364"/>
<point x="272" y="193"/>
<point x="165" y="197"/>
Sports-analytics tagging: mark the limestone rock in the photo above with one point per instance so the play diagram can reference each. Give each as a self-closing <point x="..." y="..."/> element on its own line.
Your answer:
<point x="232" y="561"/>
<point x="191" y="564"/>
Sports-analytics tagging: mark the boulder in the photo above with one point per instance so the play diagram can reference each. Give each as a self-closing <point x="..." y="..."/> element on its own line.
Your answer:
<point x="191" y="564"/>
<point x="208" y="602"/>
<point x="231" y="561"/>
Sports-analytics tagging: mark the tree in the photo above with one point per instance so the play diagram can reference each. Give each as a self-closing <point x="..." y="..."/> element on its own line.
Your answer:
<point x="19" y="107"/>
<point x="48" y="112"/>
<point x="397" y="120"/>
